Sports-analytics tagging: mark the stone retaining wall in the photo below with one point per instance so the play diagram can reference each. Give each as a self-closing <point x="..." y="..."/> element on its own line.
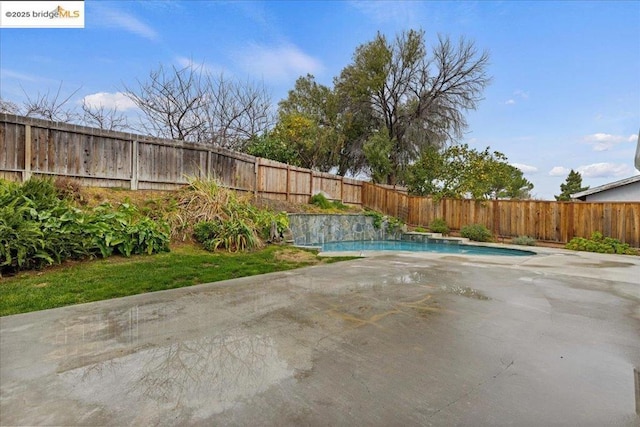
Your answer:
<point x="316" y="229"/>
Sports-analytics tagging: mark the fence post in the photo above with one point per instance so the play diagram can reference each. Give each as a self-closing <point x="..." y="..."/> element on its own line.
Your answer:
<point x="288" y="187"/>
<point x="496" y="218"/>
<point x="135" y="164"/>
<point x="26" y="174"/>
<point x="256" y="173"/>
<point x="570" y="226"/>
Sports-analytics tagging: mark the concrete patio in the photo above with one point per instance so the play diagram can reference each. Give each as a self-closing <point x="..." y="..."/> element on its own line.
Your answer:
<point x="392" y="339"/>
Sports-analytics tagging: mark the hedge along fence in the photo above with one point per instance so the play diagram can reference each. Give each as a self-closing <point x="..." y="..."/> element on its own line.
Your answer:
<point x="543" y="220"/>
<point x="103" y="158"/>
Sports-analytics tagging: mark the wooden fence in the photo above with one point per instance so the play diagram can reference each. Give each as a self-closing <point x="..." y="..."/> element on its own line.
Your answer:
<point x="542" y="220"/>
<point x="102" y="158"/>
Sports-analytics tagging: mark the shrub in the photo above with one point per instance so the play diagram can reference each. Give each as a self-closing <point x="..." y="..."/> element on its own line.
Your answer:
<point x="68" y="188"/>
<point x="524" y="241"/>
<point x="420" y="230"/>
<point x="600" y="244"/>
<point x="205" y="200"/>
<point x="439" y="225"/>
<point x="391" y="223"/>
<point x="124" y="231"/>
<point x="322" y="202"/>
<point x="222" y="218"/>
<point x="233" y="235"/>
<point x="38" y="228"/>
<point x="264" y="218"/>
<point x="476" y="232"/>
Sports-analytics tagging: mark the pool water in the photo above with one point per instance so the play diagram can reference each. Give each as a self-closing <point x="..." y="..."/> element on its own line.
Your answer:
<point x="401" y="245"/>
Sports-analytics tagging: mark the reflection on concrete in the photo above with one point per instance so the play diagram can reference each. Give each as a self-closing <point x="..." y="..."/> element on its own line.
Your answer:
<point x="391" y="340"/>
<point x="206" y="376"/>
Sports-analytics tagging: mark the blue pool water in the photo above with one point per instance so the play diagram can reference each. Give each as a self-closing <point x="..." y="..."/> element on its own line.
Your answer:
<point x="401" y="245"/>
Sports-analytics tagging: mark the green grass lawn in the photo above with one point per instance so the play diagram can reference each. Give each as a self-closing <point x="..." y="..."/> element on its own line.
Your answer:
<point x="75" y="283"/>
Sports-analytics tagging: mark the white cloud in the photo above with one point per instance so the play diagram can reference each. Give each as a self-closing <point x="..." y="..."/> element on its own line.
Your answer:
<point x="605" y="170"/>
<point x="109" y="101"/>
<point x="9" y="74"/>
<point x="279" y="63"/>
<point x="559" y="171"/>
<point x="127" y="22"/>
<point x="525" y="168"/>
<point x="605" y="141"/>
<point x="518" y="94"/>
<point x="384" y="12"/>
<point x="206" y="68"/>
<point x="521" y="94"/>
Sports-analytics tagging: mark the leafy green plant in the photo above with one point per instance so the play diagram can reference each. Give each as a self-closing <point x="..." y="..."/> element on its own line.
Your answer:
<point x="264" y="218"/>
<point x="524" y="241"/>
<point x="205" y="200"/>
<point x="233" y="234"/>
<point x="439" y="225"/>
<point x="322" y="202"/>
<point x="377" y="218"/>
<point x="38" y="228"/>
<point x="392" y="223"/>
<point x="600" y="244"/>
<point x="420" y="230"/>
<point x="476" y="232"/>
<point x="125" y="231"/>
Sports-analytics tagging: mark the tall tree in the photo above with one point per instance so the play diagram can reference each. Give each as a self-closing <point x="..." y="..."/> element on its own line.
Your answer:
<point x="460" y="171"/>
<point x="316" y="105"/>
<point x="270" y="146"/>
<point x="507" y="181"/>
<point x="572" y="185"/>
<point x="418" y="99"/>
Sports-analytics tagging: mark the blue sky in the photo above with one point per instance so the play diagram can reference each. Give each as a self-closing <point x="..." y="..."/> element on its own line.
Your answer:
<point x="566" y="75"/>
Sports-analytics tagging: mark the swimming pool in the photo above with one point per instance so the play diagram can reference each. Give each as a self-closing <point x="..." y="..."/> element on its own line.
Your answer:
<point x="402" y="245"/>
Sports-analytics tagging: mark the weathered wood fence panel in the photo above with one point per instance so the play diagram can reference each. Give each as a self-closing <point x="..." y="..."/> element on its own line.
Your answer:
<point x="543" y="220"/>
<point x="12" y="153"/>
<point x="116" y="159"/>
<point x="234" y="170"/>
<point x="351" y="191"/>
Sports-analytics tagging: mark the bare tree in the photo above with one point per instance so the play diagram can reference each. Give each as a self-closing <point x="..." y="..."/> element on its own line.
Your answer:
<point x="192" y="105"/>
<point x="103" y="118"/>
<point x="9" y="107"/>
<point x="173" y="103"/>
<point x="236" y="112"/>
<point x="52" y="107"/>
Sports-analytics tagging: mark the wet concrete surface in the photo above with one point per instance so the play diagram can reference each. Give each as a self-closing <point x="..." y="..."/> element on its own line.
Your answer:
<point x="393" y="339"/>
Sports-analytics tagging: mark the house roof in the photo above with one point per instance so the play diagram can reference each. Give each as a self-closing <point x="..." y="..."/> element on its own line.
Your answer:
<point x="605" y="187"/>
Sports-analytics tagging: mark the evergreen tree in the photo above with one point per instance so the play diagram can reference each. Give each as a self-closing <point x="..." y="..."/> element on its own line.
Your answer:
<point x="572" y="185"/>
